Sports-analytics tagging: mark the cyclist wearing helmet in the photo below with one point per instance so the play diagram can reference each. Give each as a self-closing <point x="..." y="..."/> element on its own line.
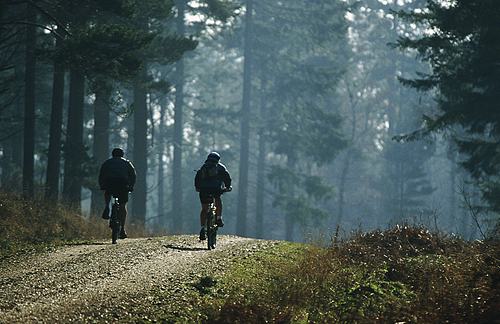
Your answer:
<point x="212" y="179"/>
<point x="117" y="178"/>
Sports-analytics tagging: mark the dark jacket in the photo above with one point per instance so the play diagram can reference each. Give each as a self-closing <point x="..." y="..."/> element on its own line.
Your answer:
<point x="213" y="184"/>
<point x="117" y="169"/>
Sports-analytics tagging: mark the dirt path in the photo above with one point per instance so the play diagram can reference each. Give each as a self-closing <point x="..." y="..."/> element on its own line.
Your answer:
<point x="101" y="282"/>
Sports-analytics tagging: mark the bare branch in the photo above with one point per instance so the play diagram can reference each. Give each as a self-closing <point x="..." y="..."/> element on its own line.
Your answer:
<point x="474" y="211"/>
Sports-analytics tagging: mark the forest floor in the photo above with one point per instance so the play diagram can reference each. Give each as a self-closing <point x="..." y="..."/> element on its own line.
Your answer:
<point x="127" y="282"/>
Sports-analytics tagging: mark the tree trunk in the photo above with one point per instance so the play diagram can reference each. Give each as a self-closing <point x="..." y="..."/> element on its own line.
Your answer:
<point x="261" y="162"/>
<point x="13" y="147"/>
<point x="29" y="105"/>
<point x="348" y="158"/>
<point x="289" y="228"/>
<point x="130" y="138"/>
<point x="261" y="183"/>
<point x="7" y="166"/>
<point x="140" y="150"/>
<point x="74" y="151"/>
<point x="401" y="190"/>
<point x="290" y="220"/>
<point x="342" y="186"/>
<point x="101" y="140"/>
<point x="129" y="124"/>
<point x="241" y="222"/>
<point x="56" y="118"/>
<point x="17" y="159"/>
<point x="162" y="221"/>
<point x="178" y="129"/>
<point x="453" y="187"/>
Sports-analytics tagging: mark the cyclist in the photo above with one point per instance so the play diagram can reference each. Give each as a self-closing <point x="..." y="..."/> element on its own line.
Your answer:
<point x="211" y="180"/>
<point x="117" y="178"/>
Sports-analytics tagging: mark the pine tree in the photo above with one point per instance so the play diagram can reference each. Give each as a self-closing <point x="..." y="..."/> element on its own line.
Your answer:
<point x="463" y="50"/>
<point x="304" y="126"/>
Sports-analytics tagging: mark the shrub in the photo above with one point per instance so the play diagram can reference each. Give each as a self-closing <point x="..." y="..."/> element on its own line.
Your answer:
<point x="403" y="274"/>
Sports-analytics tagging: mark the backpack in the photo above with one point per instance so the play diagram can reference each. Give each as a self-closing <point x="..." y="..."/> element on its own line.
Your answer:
<point x="208" y="178"/>
<point x="209" y="171"/>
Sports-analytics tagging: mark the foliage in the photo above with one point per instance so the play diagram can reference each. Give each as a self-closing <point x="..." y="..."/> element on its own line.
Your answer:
<point x="462" y="45"/>
<point x="402" y="274"/>
<point x="110" y="50"/>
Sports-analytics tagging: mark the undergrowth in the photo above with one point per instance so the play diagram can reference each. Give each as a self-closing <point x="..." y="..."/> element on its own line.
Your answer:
<point x="406" y="274"/>
<point x="27" y="224"/>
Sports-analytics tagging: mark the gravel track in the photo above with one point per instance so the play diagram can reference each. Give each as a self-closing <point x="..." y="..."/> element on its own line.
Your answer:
<point x="99" y="282"/>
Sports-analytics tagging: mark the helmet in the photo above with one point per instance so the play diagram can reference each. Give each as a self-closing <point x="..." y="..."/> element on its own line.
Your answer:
<point x="214" y="156"/>
<point x="117" y="152"/>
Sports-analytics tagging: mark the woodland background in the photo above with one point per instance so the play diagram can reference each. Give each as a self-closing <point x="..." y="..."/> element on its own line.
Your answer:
<point x="330" y="115"/>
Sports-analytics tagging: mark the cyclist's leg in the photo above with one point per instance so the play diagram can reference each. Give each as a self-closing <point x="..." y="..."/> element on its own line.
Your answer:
<point x="123" y="214"/>
<point x="107" y="199"/>
<point x="203" y="218"/>
<point x="123" y="199"/>
<point x="218" y="210"/>
<point x="218" y="206"/>
<point x="205" y="201"/>
<point x="203" y="213"/>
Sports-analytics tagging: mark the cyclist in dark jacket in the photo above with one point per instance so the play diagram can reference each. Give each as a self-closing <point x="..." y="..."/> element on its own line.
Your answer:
<point x="117" y="178"/>
<point x="211" y="180"/>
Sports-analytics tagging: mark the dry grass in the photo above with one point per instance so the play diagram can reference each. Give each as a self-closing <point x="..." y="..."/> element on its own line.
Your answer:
<point x="405" y="274"/>
<point x="31" y="222"/>
<point x="452" y="280"/>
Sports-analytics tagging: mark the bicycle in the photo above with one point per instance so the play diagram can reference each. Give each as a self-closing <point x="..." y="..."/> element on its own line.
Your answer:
<point x="211" y="221"/>
<point x="114" y="221"/>
<point x="211" y="225"/>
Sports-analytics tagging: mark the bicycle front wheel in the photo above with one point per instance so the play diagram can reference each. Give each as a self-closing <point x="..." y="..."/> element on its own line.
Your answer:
<point x="211" y="238"/>
<point x="211" y="232"/>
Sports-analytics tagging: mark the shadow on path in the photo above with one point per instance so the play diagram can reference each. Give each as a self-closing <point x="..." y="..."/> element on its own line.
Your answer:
<point x="85" y="243"/>
<point x="184" y="248"/>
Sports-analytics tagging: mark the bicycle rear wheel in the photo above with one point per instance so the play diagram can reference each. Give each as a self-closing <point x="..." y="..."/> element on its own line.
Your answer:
<point x="114" y="222"/>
